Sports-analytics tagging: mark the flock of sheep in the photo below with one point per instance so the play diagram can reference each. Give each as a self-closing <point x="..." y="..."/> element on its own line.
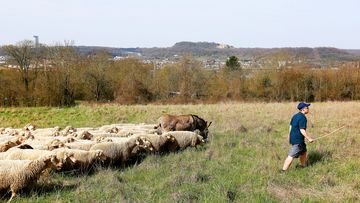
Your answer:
<point x="26" y="153"/>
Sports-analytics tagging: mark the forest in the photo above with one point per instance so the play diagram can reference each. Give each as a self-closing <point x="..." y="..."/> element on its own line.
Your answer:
<point x="61" y="76"/>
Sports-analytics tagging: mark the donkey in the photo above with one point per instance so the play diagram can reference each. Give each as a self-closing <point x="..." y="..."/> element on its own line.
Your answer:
<point x="188" y="122"/>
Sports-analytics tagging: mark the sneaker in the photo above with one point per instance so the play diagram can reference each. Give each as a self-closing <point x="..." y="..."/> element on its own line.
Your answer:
<point x="282" y="172"/>
<point x="300" y="166"/>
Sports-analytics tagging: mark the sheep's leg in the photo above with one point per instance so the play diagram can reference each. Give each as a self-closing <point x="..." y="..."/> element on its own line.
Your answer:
<point x="193" y="143"/>
<point x="13" y="194"/>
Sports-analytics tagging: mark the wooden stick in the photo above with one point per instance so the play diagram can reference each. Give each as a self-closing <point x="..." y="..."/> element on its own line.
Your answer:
<point x="331" y="132"/>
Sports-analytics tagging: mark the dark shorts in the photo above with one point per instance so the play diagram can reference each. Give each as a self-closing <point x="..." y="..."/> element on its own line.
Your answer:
<point x="297" y="150"/>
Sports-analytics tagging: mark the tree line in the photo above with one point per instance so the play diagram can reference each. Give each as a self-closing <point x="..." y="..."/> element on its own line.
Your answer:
<point x="60" y="76"/>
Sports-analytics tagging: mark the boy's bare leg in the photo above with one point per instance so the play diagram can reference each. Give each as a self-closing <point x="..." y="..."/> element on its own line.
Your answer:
<point x="287" y="163"/>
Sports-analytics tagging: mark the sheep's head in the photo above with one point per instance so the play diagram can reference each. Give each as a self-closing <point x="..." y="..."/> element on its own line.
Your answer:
<point x="18" y="140"/>
<point x="113" y="130"/>
<point x="108" y="140"/>
<point x="73" y="134"/>
<point x="99" y="155"/>
<point x="57" y="128"/>
<point x="56" y="133"/>
<point x="53" y="162"/>
<point x="55" y="144"/>
<point x="144" y="143"/>
<point x="30" y="127"/>
<point x="99" y="139"/>
<point x="69" y="130"/>
<point x="69" y="158"/>
<point x="170" y="138"/>
<point x="26" y="135"/>
<point x="69" y="139"/>
<point x="200" y="139"/>
<point x="86" y="135"/>
<point x="11" y="132"/>
<point x="7" y="145"/>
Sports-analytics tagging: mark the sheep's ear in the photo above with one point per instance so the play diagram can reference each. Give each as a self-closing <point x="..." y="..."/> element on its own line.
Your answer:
<point x="142" y="140"/>
<point x="52" y="157"/>
<point x="137" y="142"/>
<point x="22" y="139"/>
<point x="66" y="155"/>
<point x="151" y="149"/>
<point x="99" y="153"/>
<point x="72" y="158"/>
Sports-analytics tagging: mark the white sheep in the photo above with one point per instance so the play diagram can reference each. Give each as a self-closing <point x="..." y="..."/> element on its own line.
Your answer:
<point x="9" y="144"/>
<point x="99" y="139"/>
<point x="21" y="175"/>
<point x="2" y="131"/>
<point x="85" y="135"/>
<point x="119" y="153"/>
<point x="160" y="143"/>
<point x="33" y="154"/>
<point x="81" y="144"/>
<point x="55" y="144"/>
<point x="83" y="158"/>
<point x="30" y="127"/>
<point x="184" y="139"/>
<point x="69" y="129"/>
<point x="10" y="132"/>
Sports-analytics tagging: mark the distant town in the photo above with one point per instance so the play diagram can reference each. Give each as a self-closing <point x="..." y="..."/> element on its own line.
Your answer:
<point x="214" y="55"/>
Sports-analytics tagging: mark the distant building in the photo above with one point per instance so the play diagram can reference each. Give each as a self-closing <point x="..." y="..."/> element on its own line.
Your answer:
<point x="117" y="58"/>
<point x="3" y="59"/>
<point x="224" y="46"/>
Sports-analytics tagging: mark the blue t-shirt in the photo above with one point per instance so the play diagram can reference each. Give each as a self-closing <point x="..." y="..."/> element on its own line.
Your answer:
<point x="298" y="121"/>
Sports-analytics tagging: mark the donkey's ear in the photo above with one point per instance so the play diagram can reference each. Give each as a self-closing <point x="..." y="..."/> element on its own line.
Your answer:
<point x="209" y="124"/>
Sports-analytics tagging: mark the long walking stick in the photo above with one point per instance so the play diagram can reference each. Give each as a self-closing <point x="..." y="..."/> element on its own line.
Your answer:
<point x="331" y="132"/>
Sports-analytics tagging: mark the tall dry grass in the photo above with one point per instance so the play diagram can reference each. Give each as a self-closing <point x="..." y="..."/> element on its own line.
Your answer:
<point x="247" y="147"/>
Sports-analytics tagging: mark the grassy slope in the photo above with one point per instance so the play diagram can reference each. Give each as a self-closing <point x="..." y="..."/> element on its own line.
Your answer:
<point x="247" y="148"/>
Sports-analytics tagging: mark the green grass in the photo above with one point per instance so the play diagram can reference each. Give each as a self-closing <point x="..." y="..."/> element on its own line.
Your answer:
<point x="247" y="147"/>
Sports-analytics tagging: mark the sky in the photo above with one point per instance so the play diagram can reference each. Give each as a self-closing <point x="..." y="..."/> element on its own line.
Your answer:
<point x="162" y="23"/>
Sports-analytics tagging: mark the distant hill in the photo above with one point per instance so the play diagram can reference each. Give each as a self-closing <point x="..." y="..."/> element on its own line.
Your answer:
<point x="320" y="55"/>
<point x="355" y="52"/>
<point x="87" y="50"/>
<point x="211" y="50"/>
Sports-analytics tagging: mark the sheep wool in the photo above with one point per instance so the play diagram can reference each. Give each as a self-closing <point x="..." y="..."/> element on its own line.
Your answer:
<point x="21" y="175"/>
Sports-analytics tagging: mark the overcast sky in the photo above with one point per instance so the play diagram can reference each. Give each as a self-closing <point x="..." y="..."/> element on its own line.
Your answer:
<point x="162" y="23"/>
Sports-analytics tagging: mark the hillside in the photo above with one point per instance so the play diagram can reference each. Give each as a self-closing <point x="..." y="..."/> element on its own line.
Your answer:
<point x="241" y="162"/>
<point x="211" y="50"/>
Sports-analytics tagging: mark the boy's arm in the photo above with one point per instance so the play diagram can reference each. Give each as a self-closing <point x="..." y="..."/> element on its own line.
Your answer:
<point x="303" y="132"/>
<point x="289" y="131"/>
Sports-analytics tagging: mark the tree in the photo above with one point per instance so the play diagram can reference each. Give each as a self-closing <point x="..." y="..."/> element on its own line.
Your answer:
<point x="66" y="75"/>
<point x="232" y="63"/>
<point x="98" y="77"/>
<point x="25" y="57"/>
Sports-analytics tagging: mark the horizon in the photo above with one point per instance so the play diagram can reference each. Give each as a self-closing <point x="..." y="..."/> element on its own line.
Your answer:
<point x="294" y="47"/>
<point x="113" y="47"/>
<point x="143" y="24"/>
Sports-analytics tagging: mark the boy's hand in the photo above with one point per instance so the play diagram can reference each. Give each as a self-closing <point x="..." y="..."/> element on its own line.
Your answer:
<point x="311" y="140"/>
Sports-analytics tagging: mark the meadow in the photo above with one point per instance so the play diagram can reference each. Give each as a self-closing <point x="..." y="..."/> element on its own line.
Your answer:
<point x="240" y="163"/>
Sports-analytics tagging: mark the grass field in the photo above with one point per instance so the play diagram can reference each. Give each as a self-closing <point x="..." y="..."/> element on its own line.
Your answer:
<point x="241" y="163"/>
